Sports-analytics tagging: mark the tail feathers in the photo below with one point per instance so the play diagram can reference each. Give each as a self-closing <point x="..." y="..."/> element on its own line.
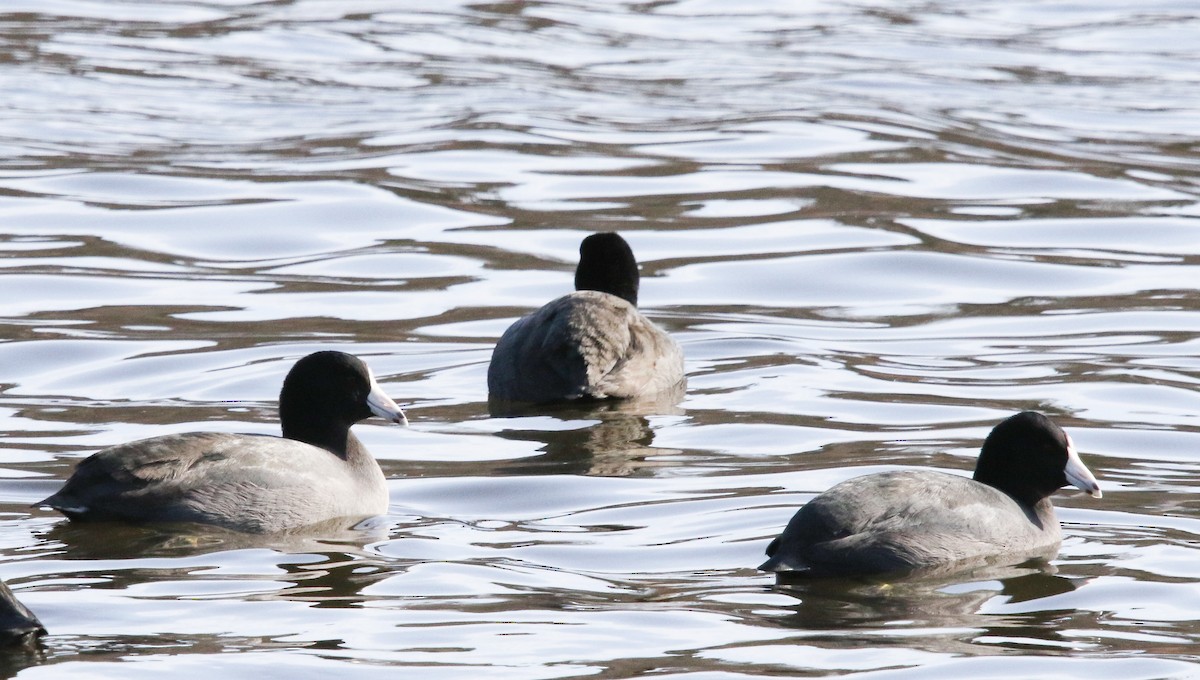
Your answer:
<point x="780" y="563"/>
<point x="780" y="559"/>
<point x="70" y="507"/>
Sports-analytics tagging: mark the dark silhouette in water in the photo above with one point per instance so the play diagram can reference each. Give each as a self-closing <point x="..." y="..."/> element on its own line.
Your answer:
<point x="18" y="625"/>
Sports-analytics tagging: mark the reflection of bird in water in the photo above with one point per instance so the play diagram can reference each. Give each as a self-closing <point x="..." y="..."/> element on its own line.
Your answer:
<point x="590" y="344"/>
<point x="324" y="563"/>
<point x="617" y="442"/>
<point x="119" y="540"/>
<point x="945" y="601"/>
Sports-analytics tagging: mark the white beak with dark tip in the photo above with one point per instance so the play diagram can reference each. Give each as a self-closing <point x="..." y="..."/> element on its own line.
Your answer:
<point x="1077" y="473"/>
<point x="382" y="405"/>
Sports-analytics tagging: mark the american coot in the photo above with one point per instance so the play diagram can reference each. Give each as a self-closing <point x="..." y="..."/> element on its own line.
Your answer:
<point x="18" y="625"/>
<point x="910" y="520"/>
<point x="317" y="471"/>
<point x="592" y="343"/>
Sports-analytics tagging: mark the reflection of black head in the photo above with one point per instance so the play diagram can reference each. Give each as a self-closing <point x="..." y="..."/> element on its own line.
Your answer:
<point x="1025" y="457"/>
<point x="607" y="264"/>
<point x="1036" y="586"/>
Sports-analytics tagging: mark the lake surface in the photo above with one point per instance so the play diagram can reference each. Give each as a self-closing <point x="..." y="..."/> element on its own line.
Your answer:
<point x="876" y="228"/>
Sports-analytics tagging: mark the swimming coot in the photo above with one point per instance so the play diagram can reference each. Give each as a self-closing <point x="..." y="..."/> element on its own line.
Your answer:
<point x="317" y="471"/>
<point x="912" y="520"/>
<point x="590" y="344"/>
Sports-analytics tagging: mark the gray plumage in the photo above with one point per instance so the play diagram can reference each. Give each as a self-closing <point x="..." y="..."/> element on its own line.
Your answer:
<point x="253" y="483"/>
<point x="895" y="521"/>
<point x="244" y="482"/>
<point x="915" y="520"/>
<point x="592" y="343"/>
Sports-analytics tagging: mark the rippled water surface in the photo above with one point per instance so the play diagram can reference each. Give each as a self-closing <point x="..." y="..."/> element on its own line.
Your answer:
<point x="877" y="228"/>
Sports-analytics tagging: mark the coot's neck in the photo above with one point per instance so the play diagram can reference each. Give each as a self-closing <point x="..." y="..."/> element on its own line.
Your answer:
<point x="1042" y="514"/>
<point x="334" y="438"/>
<point x="624" y="289"/>
<point x="1024" y="493"/>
